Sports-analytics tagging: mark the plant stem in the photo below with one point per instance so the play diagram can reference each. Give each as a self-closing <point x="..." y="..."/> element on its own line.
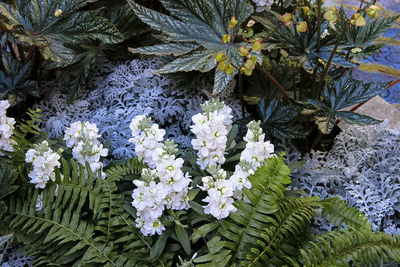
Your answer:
<point x="361" y="4"/>
<point x="283" y="91"/>
<point x="319" y="25"/>
<point x="273" y="32"/>
<point x="241" y="94"/>
<point x="328" y="64"/>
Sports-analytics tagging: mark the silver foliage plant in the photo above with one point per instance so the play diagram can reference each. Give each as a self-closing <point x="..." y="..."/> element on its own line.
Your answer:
<point x="10" y="256"/>
<point x="123" y="91"/>
<point x="363" y="168"/>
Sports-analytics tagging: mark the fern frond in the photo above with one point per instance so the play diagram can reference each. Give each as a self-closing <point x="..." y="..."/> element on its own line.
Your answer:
<point x="289" y="221"/>
<point x="58" y="228"/>
<point x="255" y="232"/>
<point x="338" y="212"/>
<point x="357" y="246"/>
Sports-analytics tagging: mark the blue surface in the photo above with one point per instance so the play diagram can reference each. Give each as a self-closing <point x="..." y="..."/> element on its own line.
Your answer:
<point x="389" y="56"/>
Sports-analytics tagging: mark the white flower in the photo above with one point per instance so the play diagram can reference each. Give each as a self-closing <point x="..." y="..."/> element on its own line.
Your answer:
<point x="263" y="4"/>
<point x="211" y="129"/>
<point x="83" y="138"/>
<point x="44" y="160"/>
<point x="81" y="132"/>
<point x="146" y="138"/>
<point x="6" y="128"/>
<point x="324" y="33"/>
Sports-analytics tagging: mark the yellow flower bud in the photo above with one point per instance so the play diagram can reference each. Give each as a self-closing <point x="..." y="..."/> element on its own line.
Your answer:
<point x="249" y="64"/>
<point x="331" y="15"/>
<point x="233" y="22"/>
<point x="220" y="57"/>
<point x="357" y="20"/>
<point x="372" y="11"/>
<point x="243" y="51"/>
<point x="246" y="72"/>
<point x="307" y="10"/>
<point x="229" y="69"/>
<point x="222" y="66"/>
<point x="301" y="26"/>
<point x="58" y="13"/>
<point x="256" y="45"/>
<point x="226" y="38"/>
<point x="356" y="50"/>
<point x="287" y="19"/>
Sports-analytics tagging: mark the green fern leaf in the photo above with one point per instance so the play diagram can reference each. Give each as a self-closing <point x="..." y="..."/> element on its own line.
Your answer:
<point x="337" y="212"/>
<point x="357" y="246"/>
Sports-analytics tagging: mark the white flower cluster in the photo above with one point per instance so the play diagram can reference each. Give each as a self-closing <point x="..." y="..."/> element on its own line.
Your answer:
<point x="82" y="137"/>
<point x="6" y="127"/>
<point x="44" y="160"/>
<point x="163" y="185"/>
<point x="222" y="191"/>
<point x="263" y="4"/>
<point x="147" y="138"/>
<point x="211" y="129"/>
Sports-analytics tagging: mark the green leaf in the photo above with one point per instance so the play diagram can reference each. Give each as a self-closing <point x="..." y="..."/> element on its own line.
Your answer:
<point x="175" y="49"/>
<point x="344" y="92"/>
<point x="3" y="209"/>
<point x="280" y="119"/>
<point x="15" y="79"/>
<point x="40" y="28"/>
<point x="183" y="238"/>
<point x="352" y="117"/>
<point x="201" y="61"/>
<point x="200" y="22"/>
<point x="159" y="246"/>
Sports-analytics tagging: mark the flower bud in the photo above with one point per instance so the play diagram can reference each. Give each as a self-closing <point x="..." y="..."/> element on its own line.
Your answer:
<point x="226" y="38"/>
<point x="357" y="20"/>
<point x="246" y="72"/>
<point x="372" y="11"/>
<point x="307" y="10"/>
<point x="233" y="22"/>
<point x="331" y="15"/>
<point x="301" y="26"/>
<point x="222" y="66"/>
<point x="220" y="57"/>
<point x="249" y="64"/>
<point x="250" y="23"/>
<point x="356" y="50"/>
<point x="243" y="51"/>
<point x="58" y="13"/>
<point x="229" y="69"/>
<point x="287" y="19"/>
<point x="256" y="45"/>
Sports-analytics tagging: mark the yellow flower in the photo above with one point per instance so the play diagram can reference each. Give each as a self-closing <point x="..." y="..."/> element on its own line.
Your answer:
<point x="226" y="38"/>
<point x="301" y="26"/>
<point x="58" y="13"/>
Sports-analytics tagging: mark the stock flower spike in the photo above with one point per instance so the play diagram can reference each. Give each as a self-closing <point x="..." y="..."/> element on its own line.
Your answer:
<point x="6" y="128"/>
<point x="163" y="185"/>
